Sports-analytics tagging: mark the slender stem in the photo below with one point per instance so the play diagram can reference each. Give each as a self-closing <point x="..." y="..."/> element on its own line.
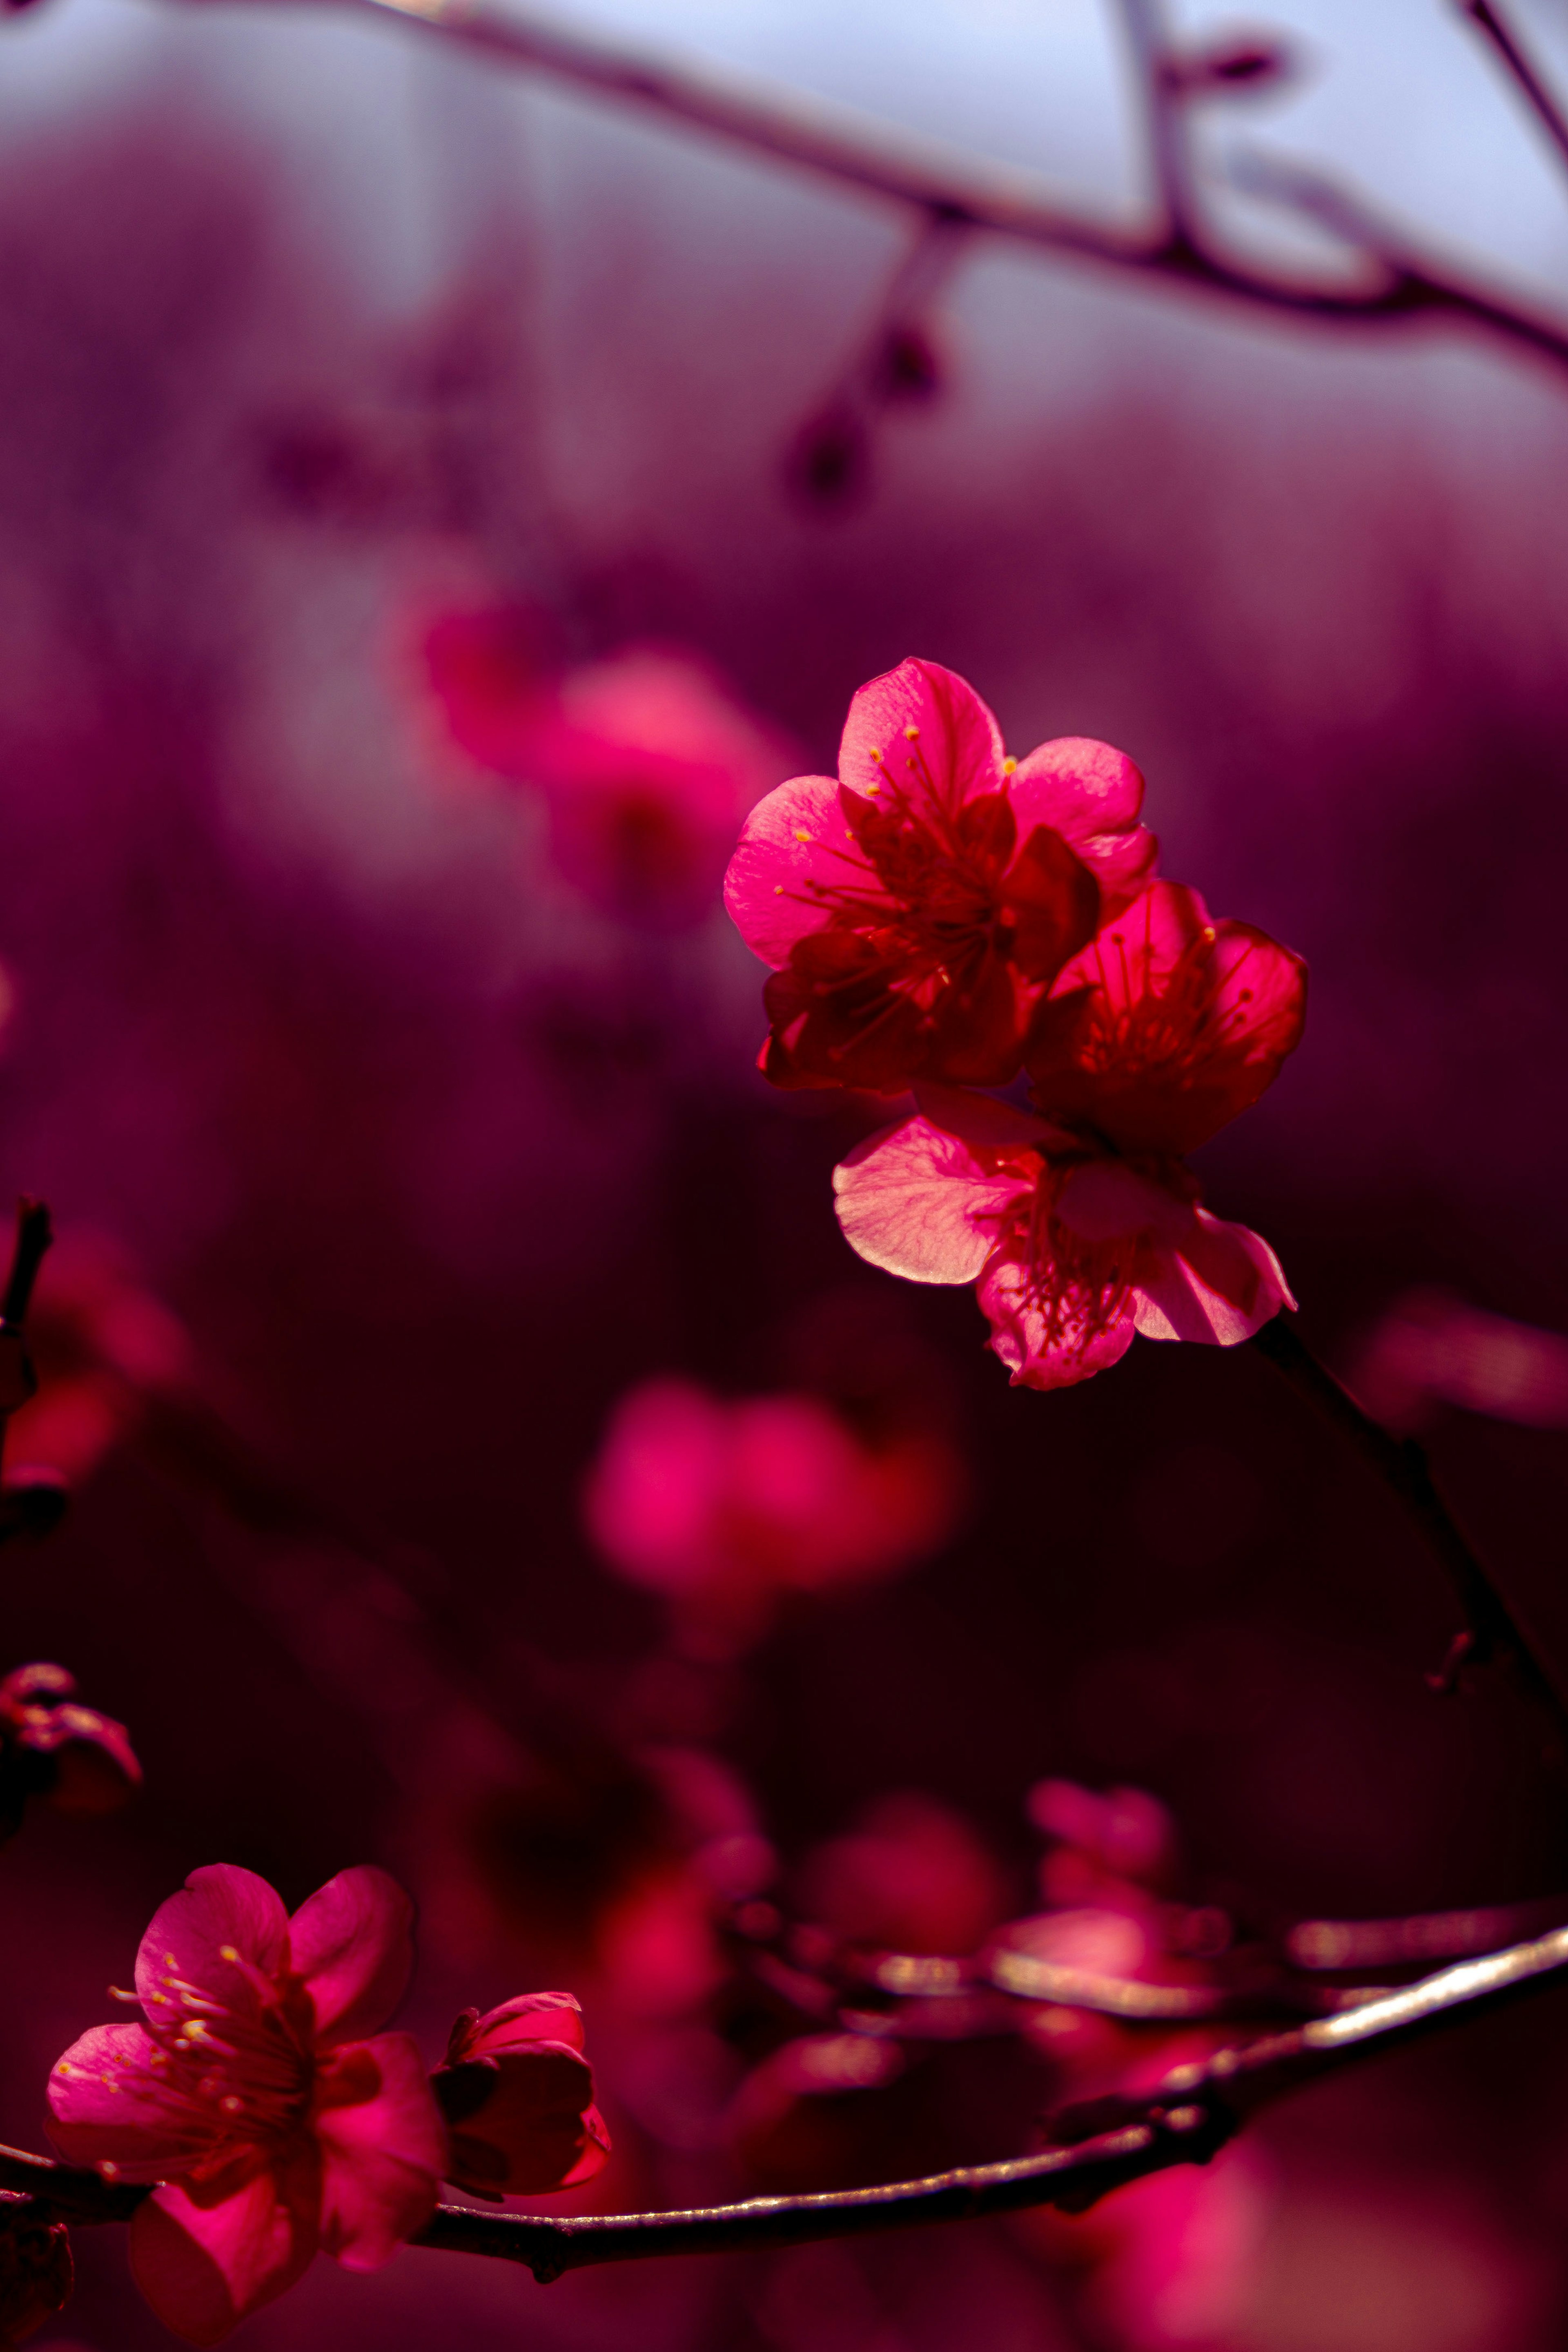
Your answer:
<point x="1491" y="1628"/>
<point x="863" y="152"/>
<point x="34" y="1231"/>
<point x="1524" y="73"/>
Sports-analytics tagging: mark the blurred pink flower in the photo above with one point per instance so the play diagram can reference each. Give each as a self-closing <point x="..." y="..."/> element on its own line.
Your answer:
<point x="911" y="1877"/>
<point x="53" y="1746"/>
<point x="1431" y="1350"/>
<point x="647" y="760"/>
<point x="721" y="1505"/>
<point x="517" y="2096"/>
<point x="252" y="2094"/>
<point x="915" y="908"/>
<point x="1072" y="1249"/>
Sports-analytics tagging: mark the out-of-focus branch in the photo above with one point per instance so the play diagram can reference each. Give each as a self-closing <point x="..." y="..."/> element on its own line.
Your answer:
<point x="860" y="150"/>
<point x="1541" y="99"/>
<point x="1491" y="1628"/>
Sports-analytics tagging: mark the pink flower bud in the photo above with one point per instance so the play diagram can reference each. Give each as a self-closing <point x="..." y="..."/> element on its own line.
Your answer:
<point x="518" y="2097"/>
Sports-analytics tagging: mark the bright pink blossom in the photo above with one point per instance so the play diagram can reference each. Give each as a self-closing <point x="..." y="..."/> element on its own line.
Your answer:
<point x="647" y="760"/>
<point x="1167" y="1026"/>
<point x="916" y="908"/>
<point x="721" y="1506"/>
<point x="517" y="2096"/>
<point x="252" y="2092"/>
<point x="1072" y="1248"/>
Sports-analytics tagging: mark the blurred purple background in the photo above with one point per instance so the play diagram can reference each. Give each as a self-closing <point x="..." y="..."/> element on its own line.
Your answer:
<point x="310" y="334"/>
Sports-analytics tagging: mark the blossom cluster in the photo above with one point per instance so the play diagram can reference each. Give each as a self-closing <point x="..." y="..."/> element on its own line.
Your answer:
<point x="946" y="920"/>
<point x="275" y="2117"/>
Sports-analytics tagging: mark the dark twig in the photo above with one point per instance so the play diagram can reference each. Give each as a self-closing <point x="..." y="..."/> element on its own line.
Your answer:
<point x="1492" y="1630"/>
<point x="34" y="1231"/>
<point x="1545" y="105"/>
<point x="860" y="150"/>
<point x="1184" y="2120"/>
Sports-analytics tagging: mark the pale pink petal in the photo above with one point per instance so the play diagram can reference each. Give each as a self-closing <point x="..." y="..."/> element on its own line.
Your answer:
<point x="955" y="752"/>
<point x="794" y="846"/>
<point x="108" y="2105"/>
<point x="1090" y="793"/>
<point x="222" y="1909"/>
<point x="383" y="2145"/>
<point x="1049" y="1334"/>
<point x="917" y="1203"/>
<point x="529" y="2017"/>
<point x="202" y="2270"/>
<point x="1218" y="1286"/>
<point x="353" y="1945"/>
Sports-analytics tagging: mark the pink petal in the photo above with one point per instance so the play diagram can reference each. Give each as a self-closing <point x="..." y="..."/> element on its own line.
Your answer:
<point x="1219" y="1286"/>
<point x="1051" y="1334"/>
<point x="202" y="2270"/>
<point x="955" y="753"/>
<point x="917" y="1203"/>
<point x="528" y="2018"/>
<point x="522" y="2123"/>
<point x="222" y="1906"/>
<point x="794" y="844"/>
<point x="982" y="1120"/>
<point x="108" y="2105"/>
<point x="383" y="2148"/>
<point x="353" y="1945"/>
<point x="1090" y="793"/>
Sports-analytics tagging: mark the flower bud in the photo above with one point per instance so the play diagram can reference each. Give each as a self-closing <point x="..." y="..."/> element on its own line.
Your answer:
<point x="518" y="2097"/>
<point x="51" y="1746"/>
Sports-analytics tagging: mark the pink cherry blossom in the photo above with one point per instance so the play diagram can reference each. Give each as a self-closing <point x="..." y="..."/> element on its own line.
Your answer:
<point x="721" y="1505"/>
<point x="1167" y="1026"/>
<point x="1072" y="1249"/>
<point x="916" y="908"/>
<point x="647" y="760"/>
<point x="517" y="2096"/>
<point x="253" y="2095"/>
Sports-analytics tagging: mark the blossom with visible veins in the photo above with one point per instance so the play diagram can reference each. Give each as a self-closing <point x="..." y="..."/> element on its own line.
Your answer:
<point x="916" y="908"/>
<point x="253" y="2093"/>
<point x="1073" y="1249"/>
<point x="517" y="2096"/>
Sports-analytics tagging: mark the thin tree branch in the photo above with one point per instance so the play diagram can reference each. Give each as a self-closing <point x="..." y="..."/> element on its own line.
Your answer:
<point x="860" y="150"/>
<point x="1541" y="99"/>
<point x="1491" y="1628"/>
<point x="1184" y="2120"/>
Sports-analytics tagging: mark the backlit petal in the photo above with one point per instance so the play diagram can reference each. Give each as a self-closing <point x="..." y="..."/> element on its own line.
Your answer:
<point x="1090" y="793"/>
<point x="383" y="2145"/>
<point x="221" y="1908"/>
<point x="955" y="752"/>
<point x="1050" y="1330"/>
<point x="794" y="843"/>
<point x="1220" y="1285"/>
<point x="108" y="2105"/>
<point x="353" y="1945"/>
<point x="202" y="2270"/>
<point x="917" y="1201"/>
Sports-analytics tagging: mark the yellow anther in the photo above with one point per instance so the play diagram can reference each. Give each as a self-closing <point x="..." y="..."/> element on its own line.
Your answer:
<point x="228" y="1952"/>
<point x="912" y="734"/>
<point x="801" y="834"/>
<point x="110" y="2171"/>
<point x="1008" y="764"/>
<point x="876" y="755"/>
<point x="63" y="2069"/>
<point x="872" y="790"/>
<point x="232" y="2104"/>
<point x="778" y="889"/>
<point x="1210" y="935"/>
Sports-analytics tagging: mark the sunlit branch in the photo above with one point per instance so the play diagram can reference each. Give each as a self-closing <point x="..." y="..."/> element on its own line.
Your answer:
<point x="1184" y="2120"/>
<point x="1491" y="1627"/>
<point x="860" y="150"/>
<point x="1545" y="105"/>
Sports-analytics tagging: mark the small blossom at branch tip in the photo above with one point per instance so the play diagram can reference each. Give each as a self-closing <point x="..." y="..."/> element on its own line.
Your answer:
<point x="916" y="908"/>
<point x="52" y="1747"/>
<point x="518" y="2097"/>
<point x="257" y="2094"/>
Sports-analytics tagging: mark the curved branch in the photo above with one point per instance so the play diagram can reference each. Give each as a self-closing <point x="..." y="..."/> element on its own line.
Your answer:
<point x="1492" y="1628"/>
<point x="861" y="151"/>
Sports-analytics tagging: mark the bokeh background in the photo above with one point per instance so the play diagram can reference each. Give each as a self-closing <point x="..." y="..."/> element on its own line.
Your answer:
<point x="391" y="1152"/>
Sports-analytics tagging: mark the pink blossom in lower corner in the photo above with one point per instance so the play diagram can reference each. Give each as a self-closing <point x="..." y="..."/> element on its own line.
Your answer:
<point x="517" y="2096"/>
<point x="1072" y="1249"/>
<point x="259" y="2094"/>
